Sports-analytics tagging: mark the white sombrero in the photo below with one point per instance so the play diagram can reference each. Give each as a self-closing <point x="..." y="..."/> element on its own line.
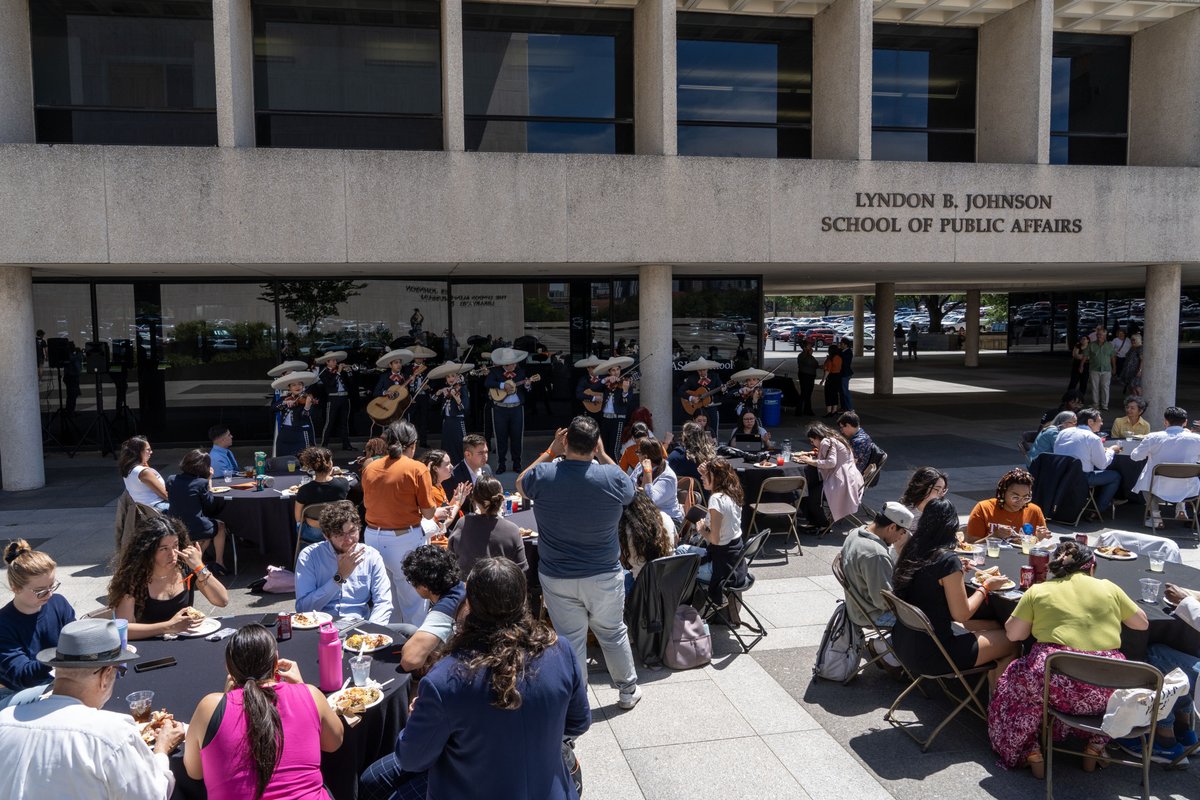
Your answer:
<point x="448" y="369"/>
<point x="750" y="374"/>
<point x="286" y="367"/>
<point x="307" y="378"/>
<point x="419" y="351"/>
<point x="403" y="356"/>
<point x="590" y="361"/>
<point x="699" y="364"/>
<point x="620" y="362"/>
<point x="504" y="356"/>
<point x="336" y="355"/>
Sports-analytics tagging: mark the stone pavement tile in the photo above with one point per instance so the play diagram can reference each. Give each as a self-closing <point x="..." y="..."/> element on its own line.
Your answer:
<point x="729" y="769"/>
<point x="791" y="610"/>
<point x="776" y="639"/>
<point x="606" y="773"/>
<point x="599" y="679"/>
<point x="764" y="703"/>
<point x="772" y="565"/>
<point x="674" y="713"/>
<point x="823" y="768"/>
<point x="774" y="585"/>
<point x="828" y="583"/>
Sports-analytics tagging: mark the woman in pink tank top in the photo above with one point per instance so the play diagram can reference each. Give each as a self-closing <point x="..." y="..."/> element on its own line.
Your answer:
<point x="264" y="736"/>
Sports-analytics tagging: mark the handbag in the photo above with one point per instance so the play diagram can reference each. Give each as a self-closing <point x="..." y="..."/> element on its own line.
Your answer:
<point x="279" y="581"/>
<point x="690" y="645"/>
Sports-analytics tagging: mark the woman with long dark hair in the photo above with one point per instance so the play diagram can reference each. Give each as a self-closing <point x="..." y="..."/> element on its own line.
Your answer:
<point x="925" y="484"/>
<point x="929" y="575"/>
<point x="645" y="533"/>
<point x="485" y="532"/>
<point x="490" y="717"/>
<point x="721" y="530"/>
<point x="833" y="469"/>
<point x="262" y="737"/>
<point x="144" y="483"/>
<point x="692" y="448"/>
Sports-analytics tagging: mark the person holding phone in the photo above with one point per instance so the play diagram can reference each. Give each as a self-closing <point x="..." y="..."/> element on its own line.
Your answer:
<point x="156" y="578"/>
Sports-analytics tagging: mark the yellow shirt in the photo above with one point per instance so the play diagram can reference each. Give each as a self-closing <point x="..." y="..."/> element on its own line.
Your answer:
<point x="1121" y="428"/>
<point x="1078" y="611"/>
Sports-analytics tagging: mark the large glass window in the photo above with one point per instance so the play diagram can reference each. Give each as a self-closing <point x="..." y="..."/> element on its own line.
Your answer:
<point x="744" y="86"/>
<point x="109" y="72"/>
<point x="348" y="75"/>
<point x="1089" y="106"/>
<point x="923" y="93"/>
<point x="546" y="79"/>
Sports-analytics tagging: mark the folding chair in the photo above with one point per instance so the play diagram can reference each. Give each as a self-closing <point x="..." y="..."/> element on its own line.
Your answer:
<point x="1109" y="673"/>
<point x="686" y="493"/>
<point x="779" y="485"/>
<point x="311" y="514"/>
<point x="733" y="592"/>
<point x="875" y="464"/>
<point x="1177" y="471"/>
<point x="914" y="619"/>
<point x="877" y="632"/>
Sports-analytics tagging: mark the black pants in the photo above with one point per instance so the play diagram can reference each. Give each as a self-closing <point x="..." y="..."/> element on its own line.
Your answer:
<point x="509" y="422"/>
<point x="724" y="557"/>
<point x="337" y="420"/>
<point x="418" y="415"/>
<point x="813" y="500"/>
<point x="453" y="430"/>
<point x="293" y="438"/>
<point x="804" y="407"/>
<point x="610" y="434"/>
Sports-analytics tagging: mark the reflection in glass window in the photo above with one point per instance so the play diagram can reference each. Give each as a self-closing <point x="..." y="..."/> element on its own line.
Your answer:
<point x="547" y="79"/>
<point x="923" y="93"/>
<point x="117" y="325"/>
<point x="1089" y="100"/>
<point x="348" y="77"/>
<point x="64" y="312"/>
<point x="106" y="72"/>
<point x="744" y="86"/>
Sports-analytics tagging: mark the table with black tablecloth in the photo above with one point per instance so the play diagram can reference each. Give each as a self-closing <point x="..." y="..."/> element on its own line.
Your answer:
<point x="1164" y="628"/>
<point x="1129" y="470"/>
<point x="752" y="478"/>
<point x="201" y="670"/>
<point x="525" y="519"/>
<point x="266" y="518"/>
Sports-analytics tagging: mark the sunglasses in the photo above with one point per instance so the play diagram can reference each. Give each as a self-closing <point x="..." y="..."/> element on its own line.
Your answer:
<point x="42" y="594"/>
<point x="121" y="670"/>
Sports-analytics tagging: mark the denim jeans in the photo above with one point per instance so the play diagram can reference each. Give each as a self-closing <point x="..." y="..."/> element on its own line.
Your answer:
<point x="1166" y="659"/>
<point x="596" y="602"/>
<point x="1106" y="483"/>
<point x="407" y="605"/>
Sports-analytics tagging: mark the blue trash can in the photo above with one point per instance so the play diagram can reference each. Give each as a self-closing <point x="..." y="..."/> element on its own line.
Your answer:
<point x="772" y="407"/>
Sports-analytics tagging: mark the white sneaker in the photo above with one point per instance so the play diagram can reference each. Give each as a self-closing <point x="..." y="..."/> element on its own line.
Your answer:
<point x="628" y="700"/>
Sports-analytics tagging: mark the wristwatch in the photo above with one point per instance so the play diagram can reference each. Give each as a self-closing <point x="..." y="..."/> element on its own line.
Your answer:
<point x="337" y="578"/>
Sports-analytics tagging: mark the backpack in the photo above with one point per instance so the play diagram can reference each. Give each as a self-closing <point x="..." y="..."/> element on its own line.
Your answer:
<point x="841" y="649"/>
<point x="690" y="644"/>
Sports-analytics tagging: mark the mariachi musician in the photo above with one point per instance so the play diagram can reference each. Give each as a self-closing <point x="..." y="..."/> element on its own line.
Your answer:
<point x="278" y="372"/>
<point x="418" y="409"/>
<point x="393" y="362"/>
<point x="618" y="392"/>
<point x="334" y="376"/>
<point x="452" y="403"/>
<point x="698" y="382"/>
<point x="590" y="387"/>
<point x="750" y="393"/>
<point x="295" y="412"/>
<point x="508" y="414"/>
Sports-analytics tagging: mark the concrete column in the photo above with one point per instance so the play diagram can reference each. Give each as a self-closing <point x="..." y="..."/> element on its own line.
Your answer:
<point x="1013" y="105"/>
<point x="885" y="321"/>
<point x="841" y="93"/>
<point x="860" y="306"/>
<point x="971" y="346"/>
<point x="654" y="78"/>
<point x="21" y="434"/>
<point x="1160" y="338"/>
<point x="654" y="334"/>
<point x="1164" y="94"/>
<point x="16" y="75"/>
<point x="233" y="49"/>
<point x="454" y="125"/>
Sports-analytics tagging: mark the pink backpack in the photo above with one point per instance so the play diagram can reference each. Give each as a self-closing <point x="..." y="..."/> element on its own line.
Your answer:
<point x="690" y="645"/>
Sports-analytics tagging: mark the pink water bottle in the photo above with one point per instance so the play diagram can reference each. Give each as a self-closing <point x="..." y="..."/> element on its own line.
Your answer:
<point x="329" y="658"/>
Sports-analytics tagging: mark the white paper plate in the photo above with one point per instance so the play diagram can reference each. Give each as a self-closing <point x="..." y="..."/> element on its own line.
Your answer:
<point x="333" y="698"/>
<point x="209" y="625"/>
<point x="221" y="489"/>
<point x="387" y="643"/>
<point x="321" y="617"/>
<point x="1110" y="557"/>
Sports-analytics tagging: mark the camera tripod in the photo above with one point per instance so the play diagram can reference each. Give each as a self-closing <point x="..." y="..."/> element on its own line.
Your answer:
<point x="103" y="429"/>
<point x="66" y="421"/>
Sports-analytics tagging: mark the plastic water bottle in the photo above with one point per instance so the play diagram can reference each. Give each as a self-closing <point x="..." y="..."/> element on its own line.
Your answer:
<point x="787" y="450"/>
<point x="329" y="659"/>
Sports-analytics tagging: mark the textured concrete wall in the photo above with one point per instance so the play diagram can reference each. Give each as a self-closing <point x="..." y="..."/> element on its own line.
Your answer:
<point x="654" y="103"/>
<point x="1160" y="339"/>
<point x="152" y="205"/>
<point x="16" y="73"/>
<point x="1013" y="106"/>
<point x="1164" y="94"/>
<point x="233" y="45"/>
<point x="885" y="323"/>
<point x="453" y="122"/>
<point x="21" y="433"/>
<point x="971" y="346"/>
<point x="654" y="332"/>
<point x="842" y="81"/>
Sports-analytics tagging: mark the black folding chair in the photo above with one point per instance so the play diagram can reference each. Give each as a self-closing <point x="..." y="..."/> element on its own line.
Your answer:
<point x="878" y="633"/>
<point x="733" y="596"/>
<point x="779" y="485"/>
<point x="875" y="464"/>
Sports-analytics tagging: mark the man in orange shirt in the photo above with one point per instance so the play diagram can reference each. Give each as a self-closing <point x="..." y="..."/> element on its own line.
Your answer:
<point x="398" y="494"/>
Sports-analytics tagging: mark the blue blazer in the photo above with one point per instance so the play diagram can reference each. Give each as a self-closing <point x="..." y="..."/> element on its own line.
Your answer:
<point x="472" y="749"/>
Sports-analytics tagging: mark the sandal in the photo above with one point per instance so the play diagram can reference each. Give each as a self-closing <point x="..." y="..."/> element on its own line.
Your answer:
<point x="1094" y="757"/>
<point x="1036" y="764"/>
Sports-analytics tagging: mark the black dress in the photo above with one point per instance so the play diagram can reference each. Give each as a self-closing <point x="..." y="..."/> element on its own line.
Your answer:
<point x="916" y="650"/>
<point x="154" y="611"/>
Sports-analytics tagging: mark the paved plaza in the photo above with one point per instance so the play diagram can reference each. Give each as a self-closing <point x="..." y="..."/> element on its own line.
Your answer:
<point x="757" y="725"/>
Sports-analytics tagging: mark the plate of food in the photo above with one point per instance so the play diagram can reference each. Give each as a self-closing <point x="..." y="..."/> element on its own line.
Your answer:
<point x="966" y="549"/>
<point x="1116" y="553"/>
<point x="439" y="539"/>
<point x="203" y="624"/>
<point x="310" y="619"/>
<point x="356" y="699"/>
<point x="981" y="575"/>
<point x="221" y="489"/>
<point x="527" y="533"/>
<point x="150" y="730"/>
<point x="367" y="642"/>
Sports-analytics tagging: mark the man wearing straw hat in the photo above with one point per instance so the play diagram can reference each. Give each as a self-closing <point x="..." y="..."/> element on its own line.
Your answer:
<point x="618" y="391"/>
<point x="64" y="745"/>
<point x="333" y="376"/>
<point x="418" y="409"/>
<point x="295" y="412"/>
<point x="278" y="372"/>
<point x="590" y="386"/>
<point x="697" y="383"/>
<point x="751" y="392"/>
<point x="508" y="415"/>
<point x="452" y="402"/>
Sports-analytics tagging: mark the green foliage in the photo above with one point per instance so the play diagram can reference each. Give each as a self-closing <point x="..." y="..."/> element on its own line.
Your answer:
<point x="826" y="304"/>
<point x="308" y="302"/>
<point x="540" y="309"/>
<point x="997" y="306"/>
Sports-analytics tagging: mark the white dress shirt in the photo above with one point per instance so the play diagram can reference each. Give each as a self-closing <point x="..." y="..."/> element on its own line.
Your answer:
<point x="1079" y="442"/>
<point x="1175" y="445"/>
<point x="58" y="747"/>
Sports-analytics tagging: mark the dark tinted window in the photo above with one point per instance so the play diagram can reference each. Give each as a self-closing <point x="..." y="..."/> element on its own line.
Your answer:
<point x="1089" y="105"/>
<point x="121" y="73"/>
<point x="744" y="86"/>
<point x="545" y="79"/>
<point x="923" y="94"/>
<point x="355" y="75"/>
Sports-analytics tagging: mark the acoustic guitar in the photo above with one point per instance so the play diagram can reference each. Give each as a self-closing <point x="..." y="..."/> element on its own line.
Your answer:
<point x="596" y="403"/>
<point x="697" y="399"/>
<point x="392" y="404"/>
<point x="508" y="387"/>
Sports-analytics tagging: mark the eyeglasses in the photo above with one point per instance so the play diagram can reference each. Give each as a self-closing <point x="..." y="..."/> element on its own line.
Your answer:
<point x="120" y="668"/>
<point x="1019" y="498"/>
<point x="42" y="594"/>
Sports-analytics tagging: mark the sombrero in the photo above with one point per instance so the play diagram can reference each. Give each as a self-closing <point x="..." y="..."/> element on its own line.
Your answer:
<point x="307" y="378"/>
<point x="419" y="351"/>
<point x="404" y="356"/>
<point x="448" y="369"/>
<point x="620" y="362"/>
<point x="504" y="356"/>
<point x="286" y="367"/>
<point x="750" y="374"/>
<point x="336" y="355"/>
<point x="699" y="364"/>
<point x="584" y="363"/>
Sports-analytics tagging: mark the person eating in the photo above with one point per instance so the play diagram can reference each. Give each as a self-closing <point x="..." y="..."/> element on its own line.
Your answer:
<point x="926" y="484"/>
<point x="1133" y="423"/>
<point x="1012" y="508"/>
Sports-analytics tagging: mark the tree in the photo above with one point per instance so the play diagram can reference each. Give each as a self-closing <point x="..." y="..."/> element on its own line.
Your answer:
<point x="308" y="302"/>
<point x="997" y="307"/>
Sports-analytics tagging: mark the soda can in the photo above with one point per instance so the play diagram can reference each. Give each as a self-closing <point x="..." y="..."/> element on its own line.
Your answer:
<point x="1026" y="576"/>
<point x="283" y="626"/>
<point x="1081" y="538"/>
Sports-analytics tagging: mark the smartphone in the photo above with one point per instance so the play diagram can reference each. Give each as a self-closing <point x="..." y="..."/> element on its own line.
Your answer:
<point x="159" y="663"/>
<point x="268" y="620"/>
<point x="696" y="513"/>
<point x="346" y="623"/>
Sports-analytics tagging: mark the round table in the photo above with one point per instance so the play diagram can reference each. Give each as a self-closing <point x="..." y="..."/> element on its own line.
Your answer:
<point x="526" y="519"/>
<point x="265" y="518"/>
<point x="1130" y="471"/>
<point x="201" y="670"/>
<point x="752" y="478"/>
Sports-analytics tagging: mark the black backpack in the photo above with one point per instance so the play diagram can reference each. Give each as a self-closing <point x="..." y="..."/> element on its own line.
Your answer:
<point x="841" y="649"/>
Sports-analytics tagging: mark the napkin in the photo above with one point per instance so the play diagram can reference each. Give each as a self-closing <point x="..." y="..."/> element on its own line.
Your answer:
<point x="244" y="486"/>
